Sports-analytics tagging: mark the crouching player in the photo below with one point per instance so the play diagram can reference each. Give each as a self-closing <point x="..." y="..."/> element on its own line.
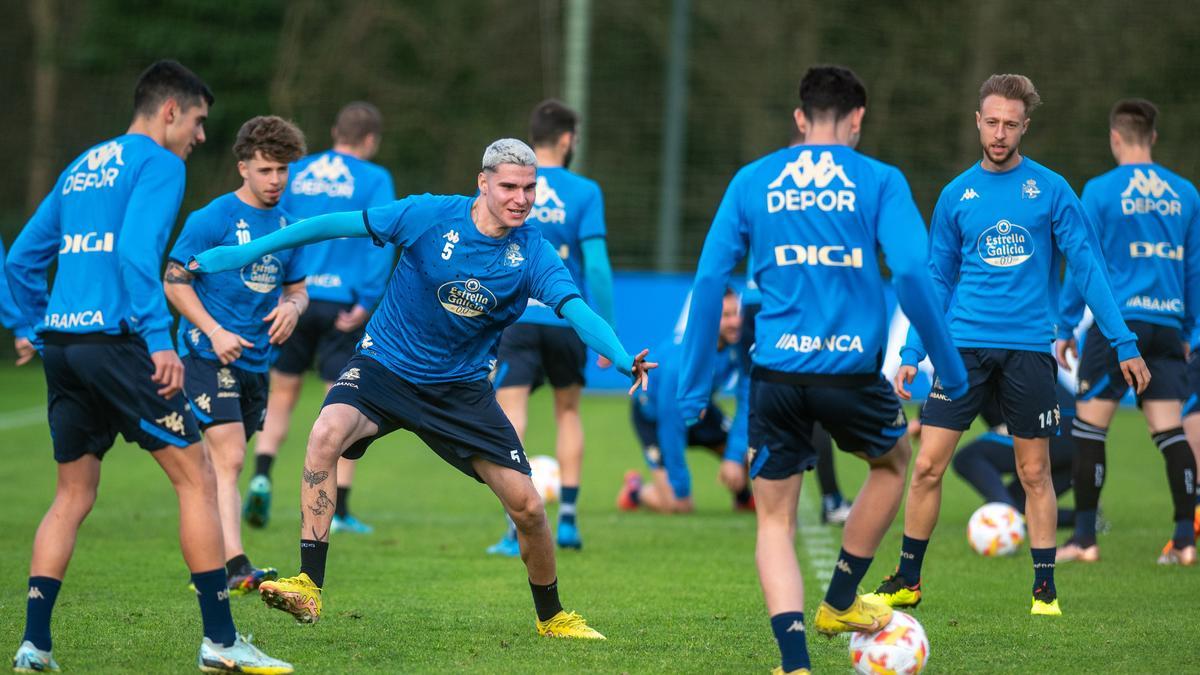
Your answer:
<point x="232" y="321"/>
<point x="665" y="438"/>
<point x="468" y="270"/>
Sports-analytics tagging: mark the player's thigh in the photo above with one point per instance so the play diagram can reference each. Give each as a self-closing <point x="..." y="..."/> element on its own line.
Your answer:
<point x="365" y="403"/>
<point x="81" y="421"/>
<point x="519" y="358"/>
<point x="959" y="413"/>
<point x="462" y="422"/>
<point x="1168" y="368"/>
<point x="780" y="431"/>
<point x="226" y="444"/>
<point x="564" y="359"/>
<point x="513" y="488"/>
<point x="1026" y="392"/>
<point x="1100" y="377"/>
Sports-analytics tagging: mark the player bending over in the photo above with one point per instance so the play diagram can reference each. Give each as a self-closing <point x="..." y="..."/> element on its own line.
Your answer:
<point x="1148" y="222"/>
<point x="665" y="438"/>
<point x="467" y="271"/>
<point x="814" y="216"/>
<point x="106" y="347"/>
<point x="233" y="321"/>
<point x="992" y="241"/>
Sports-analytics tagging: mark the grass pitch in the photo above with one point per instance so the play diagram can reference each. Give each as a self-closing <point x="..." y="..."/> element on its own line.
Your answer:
<point x="673" y="594"/>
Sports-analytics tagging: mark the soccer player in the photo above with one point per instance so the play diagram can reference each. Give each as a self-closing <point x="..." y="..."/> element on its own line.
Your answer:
<point x="1148" y="221"/>
<point x="10" y="318"/>
<point x="233" y="321"/>
<point x="569" y="211"/>
<point x="110" y="365"/>
<point x="346" y="280"/>
<point x="665" y="438"/>
<point x="467" y="271"/>
<point x="993" y="236"/>
<point x="813" y="217"/>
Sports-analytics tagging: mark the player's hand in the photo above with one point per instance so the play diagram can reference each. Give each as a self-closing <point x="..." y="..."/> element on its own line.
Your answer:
<point x="350" y="321"/>
<point x="603" y="362"/>
<point x="1062" y="348"/>
<point x="168" y="372"/>
<point x="1187" y="350"/>
<point x="25" y="350"/>
<point x="283" y="320"/>
<point x="1137" y="375"/>
<point x="641" y="371"/>
<point x="228" y="346"/>
<point x="733" y="475"/>
<point x="904" y="376"/>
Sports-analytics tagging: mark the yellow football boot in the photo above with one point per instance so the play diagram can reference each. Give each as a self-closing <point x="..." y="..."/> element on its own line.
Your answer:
<point x="895" y="591"/>
<point x="864" y="616"/>
<point x="1045" y="602"/>
<point x="297" y="596"/>
<point x="799" y="671"/>
<point x="568" y="625"/>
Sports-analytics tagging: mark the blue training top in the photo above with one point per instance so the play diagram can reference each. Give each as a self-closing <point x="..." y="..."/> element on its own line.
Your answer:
<point x="455" y="289"/>
<point x="10" y="316"/>
<point x="812" y="218"/>
<point x="348" y="270"/>
<point x="1147" y="219"/>
<point x="237" y="299"/>
<point x="108" y="219"/>
<point x="992" y="244"/>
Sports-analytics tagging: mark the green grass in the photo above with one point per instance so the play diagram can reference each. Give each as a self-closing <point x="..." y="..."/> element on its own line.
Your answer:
<point x="673" y="594"/>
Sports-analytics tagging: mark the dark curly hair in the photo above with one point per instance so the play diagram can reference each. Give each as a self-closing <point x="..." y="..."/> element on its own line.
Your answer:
<point x="276" y="138"/>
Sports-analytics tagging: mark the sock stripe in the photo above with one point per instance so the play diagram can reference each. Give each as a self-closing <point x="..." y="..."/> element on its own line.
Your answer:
<point x="1163" y="443"/>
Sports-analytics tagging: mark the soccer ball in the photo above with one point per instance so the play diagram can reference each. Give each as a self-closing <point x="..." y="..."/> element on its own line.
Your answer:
<point x="899" y="647"/>
<point x="546" y="478"/>
<point x="995" y="529"/>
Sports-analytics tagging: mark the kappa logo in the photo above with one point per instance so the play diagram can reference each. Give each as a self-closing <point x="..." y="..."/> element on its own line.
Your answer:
<point x="352" y="374"/>
<point x="1005" y="244"/>
<point x="968" y="195"/>
<point x="466" y="298"/>
<point x="35" y="593"/>
<point x="843" y="566"/>
<point x="806" y="174"/>
<point x="204" y="402"/>
<point x="546" y="194"/>
<point x="367" y="342"/>
<point x="1030" y="190"/>
<point x="796" y="627"/>
<point x="172" y="422"/>
<point x="327" y="175"/>
<point x="194" y="335"/>
<point x="451" y="238"/>
<point x="512" y="256"/>
<point x="1151" y="195"/>
<point x="548" y="207"/>
<point x="98" y="173"/>
<point x="900" y="420"/>
<point x="225" y="379"/>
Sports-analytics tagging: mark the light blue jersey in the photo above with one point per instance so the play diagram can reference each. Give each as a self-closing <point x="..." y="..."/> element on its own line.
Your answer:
<point x="1147" y="219"/>
<point x="812" y="218"/>
<point x="992" y="245"/>
<point x="454" y="289"/>
<point x="350" y="270"/>
<point x="237" y="299"/>
<point x="107" y="221"/>
<point x="569" y="210"/>
<point x="10" y="316"/>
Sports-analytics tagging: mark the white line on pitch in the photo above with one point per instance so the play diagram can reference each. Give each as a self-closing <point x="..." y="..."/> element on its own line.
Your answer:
<point x="16" y="419"/>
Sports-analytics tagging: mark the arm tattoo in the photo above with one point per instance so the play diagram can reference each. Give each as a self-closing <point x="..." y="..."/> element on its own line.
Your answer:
<point x="324" y="503"/>
<point x="313" y="478"/>
<point x="177" y="275"/>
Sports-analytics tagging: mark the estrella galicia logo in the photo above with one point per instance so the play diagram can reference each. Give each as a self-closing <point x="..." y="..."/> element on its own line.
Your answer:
<point x="262" y="275"/>
<point x="1005" y="244"/>
<point x="466" y="298"/>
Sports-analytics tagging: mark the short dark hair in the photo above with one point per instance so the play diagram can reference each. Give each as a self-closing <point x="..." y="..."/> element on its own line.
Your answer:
<point x="355" y="121"/>
<point x="550" y="120"/>
<point x="831" y="90"/>
<point x="1134" y="119"/>
<point x="168" y="79"/>
<point x="276" y="138"/>
<point x="1013" y="87"/>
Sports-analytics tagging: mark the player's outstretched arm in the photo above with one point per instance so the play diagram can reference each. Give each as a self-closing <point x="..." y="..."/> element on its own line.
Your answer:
<point x="319" y="228"/>
<point x="598" y="335"/>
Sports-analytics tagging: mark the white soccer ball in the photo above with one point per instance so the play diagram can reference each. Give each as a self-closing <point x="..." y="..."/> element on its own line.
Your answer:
<point x="996" y="529"/>
<point x="899" y="647"/>
<point x="546" y="477"/>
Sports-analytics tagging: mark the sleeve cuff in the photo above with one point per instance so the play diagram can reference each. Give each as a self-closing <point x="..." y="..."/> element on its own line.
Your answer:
<point x="371" y="231"/>
<point x="25" y="332"/>
<point x="910" y="356"/>
<point x="1064" y="333"/>
<point x="159" y="341"/>
<point x="562" y="303"/>
<point x="1127" y="350"/>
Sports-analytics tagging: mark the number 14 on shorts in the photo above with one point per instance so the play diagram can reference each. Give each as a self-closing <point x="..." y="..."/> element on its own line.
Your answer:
<point x="1048" y="418"/>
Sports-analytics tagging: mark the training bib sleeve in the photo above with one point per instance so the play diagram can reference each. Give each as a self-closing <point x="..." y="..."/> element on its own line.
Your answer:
<point x="597" y="274"/>
<point x="319" y="228"/>
<point x="30" y="258"/>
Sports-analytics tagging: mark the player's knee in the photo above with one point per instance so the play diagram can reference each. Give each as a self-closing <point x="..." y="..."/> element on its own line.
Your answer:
<point x="77" y="500"/>
<point x="927" y="473"/>
<point x="527" y="511"/>
<point x="1034" y="473"/>
<point x="896" y="459"/>
<point x="326" y="440"/>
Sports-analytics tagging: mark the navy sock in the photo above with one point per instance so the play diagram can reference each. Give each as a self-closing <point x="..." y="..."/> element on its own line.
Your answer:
<point x="789" y="633"/>
<point x="743" y="497"/>
<point x="1184" y="534"/>
<point x="342" y="508"/>
<point x="1181" y="475"/>
<point x="212" y="591"/>
<point x="1043" y="567"/>
<point x="566" y="509"/>
<point x="1085" y="527"/>
<point x="912" y="554"/>
<point x="262" y="465"/>
<point x="1089" y="472"/>
<point x="238" y="564"/>
<point x="545" y="600"/>
<point x="43" y="591"/>
<point x="843" y="587"/>
<point x="312" y="560"/>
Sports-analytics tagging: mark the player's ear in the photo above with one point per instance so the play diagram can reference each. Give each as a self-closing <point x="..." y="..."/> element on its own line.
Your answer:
<point x="978" y="120"/>
<point x="243" y="169"/>
<point x="856" y="119"/>
<point x="169" y="111"/>
<point x="481" y="183"/>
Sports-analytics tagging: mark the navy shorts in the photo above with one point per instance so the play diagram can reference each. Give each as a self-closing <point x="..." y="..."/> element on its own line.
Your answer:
<point x="457" y="420"/>
<point x="1191" y="405"/>
<point x="316" y="338"/>
<point x="1100" y="374"/>
<point x="224" y="394"/>
<point x="1023" y="383"/>
<point x="531" y="353"/>
<point x="710" y="432"/>
<point x="861" y="412"/>
<point x="98" y="386"/>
